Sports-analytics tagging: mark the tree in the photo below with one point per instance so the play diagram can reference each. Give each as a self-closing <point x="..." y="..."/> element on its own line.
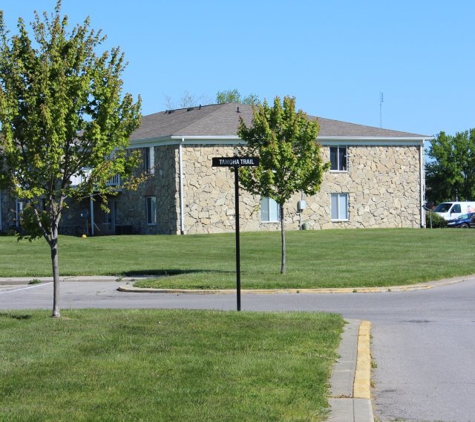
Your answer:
<point x="62" y="114"/>
<point x="233" y="96"/>
<point x="450" y="175"/>
<point x="187" y="100"/>
<point x="285" y="140"/>
<point x="222" y="97"/>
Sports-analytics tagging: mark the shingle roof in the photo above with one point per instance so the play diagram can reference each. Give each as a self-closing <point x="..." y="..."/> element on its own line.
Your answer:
<point x="222" y="120"/>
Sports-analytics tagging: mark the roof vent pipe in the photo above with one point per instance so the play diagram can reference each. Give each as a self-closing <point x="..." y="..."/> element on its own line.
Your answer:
<point x="237" y="111"/>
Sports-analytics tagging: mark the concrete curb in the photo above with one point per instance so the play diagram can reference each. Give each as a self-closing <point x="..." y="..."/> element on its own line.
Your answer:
<point x="362" y="384"/>
<point x="408" y="288"/>
<point x="132" y="289"/>
<point x="351" y="377"/>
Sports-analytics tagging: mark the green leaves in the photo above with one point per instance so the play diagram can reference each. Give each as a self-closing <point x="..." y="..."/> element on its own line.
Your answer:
<point x="290" y="159"/>
<point x="285" y="141"/>
<point x="61" y="109"/>
<point x="451" y="173"/>
<point x="233" y="96"/>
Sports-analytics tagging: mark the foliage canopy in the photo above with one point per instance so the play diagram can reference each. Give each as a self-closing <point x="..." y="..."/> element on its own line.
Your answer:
<point x="234" y="96"/>
<point x="285" y="140"/>
<point x="450" y="175"/>
<point x="63" y="117"/>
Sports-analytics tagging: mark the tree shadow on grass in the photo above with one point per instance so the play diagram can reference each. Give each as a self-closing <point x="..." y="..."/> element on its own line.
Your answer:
<point x="171" y="272"/>
<point x="15" y="316"/>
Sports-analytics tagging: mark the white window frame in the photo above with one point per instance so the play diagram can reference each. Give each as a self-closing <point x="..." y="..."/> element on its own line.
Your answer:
<point x="340" y="166"/>
<point x="270" y="210"/>
<point x="339" y="206"/>
<point x="151" y="210"/>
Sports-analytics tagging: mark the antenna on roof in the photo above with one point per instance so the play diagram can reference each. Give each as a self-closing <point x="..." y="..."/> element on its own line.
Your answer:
<point x="381" y="100"/>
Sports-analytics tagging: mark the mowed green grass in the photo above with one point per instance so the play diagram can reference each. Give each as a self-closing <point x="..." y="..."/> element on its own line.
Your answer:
<point x="166" y="365"/>
<point x="315" y="259"/>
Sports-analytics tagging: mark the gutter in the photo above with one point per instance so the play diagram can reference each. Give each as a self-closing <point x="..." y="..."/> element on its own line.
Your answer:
<point x="341" y="138"/>
<point x="369" y="141"/>
<point x="186" y="139"/>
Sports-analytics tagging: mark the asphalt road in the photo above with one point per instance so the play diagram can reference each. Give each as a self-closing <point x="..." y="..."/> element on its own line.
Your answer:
<point x="423" y="341"/>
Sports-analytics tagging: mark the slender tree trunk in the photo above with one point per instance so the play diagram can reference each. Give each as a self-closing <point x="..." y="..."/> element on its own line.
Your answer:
<point x="55" y="263"/>
<point x="282" y="236"/>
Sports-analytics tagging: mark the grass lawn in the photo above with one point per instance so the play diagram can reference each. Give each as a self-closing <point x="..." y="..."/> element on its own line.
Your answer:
<point x="326" y="258"/>
<point x="162" y="365"/>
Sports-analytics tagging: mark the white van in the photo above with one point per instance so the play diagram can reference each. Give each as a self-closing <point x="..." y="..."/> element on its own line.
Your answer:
<point x="451" y="210"/>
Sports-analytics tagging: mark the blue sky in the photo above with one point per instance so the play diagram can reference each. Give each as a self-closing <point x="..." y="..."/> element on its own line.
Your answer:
<point x="335" y="57"/>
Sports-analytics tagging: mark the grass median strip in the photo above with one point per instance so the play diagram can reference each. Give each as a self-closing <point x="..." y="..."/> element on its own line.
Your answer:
<point x="100" y="365"/>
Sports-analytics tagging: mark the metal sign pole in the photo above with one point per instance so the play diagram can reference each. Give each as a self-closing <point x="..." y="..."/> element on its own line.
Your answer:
<point x="238" y="245"/>
<point x="236" y="162"/>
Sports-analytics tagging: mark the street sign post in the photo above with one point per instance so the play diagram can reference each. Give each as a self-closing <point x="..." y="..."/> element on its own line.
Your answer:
<point x="236" y="162"/>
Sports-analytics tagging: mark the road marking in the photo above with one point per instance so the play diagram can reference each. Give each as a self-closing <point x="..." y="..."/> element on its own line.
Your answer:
<point x="25" y="288"/>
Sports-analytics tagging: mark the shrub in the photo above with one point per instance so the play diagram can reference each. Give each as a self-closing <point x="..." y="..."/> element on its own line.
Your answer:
<point x="437" y="220"/>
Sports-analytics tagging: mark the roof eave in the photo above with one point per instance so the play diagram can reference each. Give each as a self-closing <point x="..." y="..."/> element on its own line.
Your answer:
<point x="373" y="140"/>
<point x="184" y="139"/>
<point x="235" y="140"/>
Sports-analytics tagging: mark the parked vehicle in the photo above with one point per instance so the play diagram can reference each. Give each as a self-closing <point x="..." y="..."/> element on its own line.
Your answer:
<point x="453" y="210"/>
<point x="464" y="221"/>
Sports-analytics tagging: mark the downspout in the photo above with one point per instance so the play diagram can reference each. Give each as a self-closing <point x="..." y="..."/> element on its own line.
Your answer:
<point x="182" y="202"/>
<point x="422" y="185"/>
<point x="91" y="205"/>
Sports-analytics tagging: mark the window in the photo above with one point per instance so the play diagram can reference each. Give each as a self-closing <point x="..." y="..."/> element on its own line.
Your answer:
<point x="149" y="160"/>
<point x="110" y="217"/>
<point x="19" y="208"/>
<point x="339" y="206"/>
<point x="151" y="209"/>
<point x="338" y="158"/>
<point x="269" y="210"/>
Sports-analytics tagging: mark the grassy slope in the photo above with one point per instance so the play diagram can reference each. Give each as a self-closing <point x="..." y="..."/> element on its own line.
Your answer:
<point x="329" y="258"/>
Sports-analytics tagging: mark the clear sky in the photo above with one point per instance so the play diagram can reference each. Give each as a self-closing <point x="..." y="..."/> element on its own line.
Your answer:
<point x="335" y="56"/>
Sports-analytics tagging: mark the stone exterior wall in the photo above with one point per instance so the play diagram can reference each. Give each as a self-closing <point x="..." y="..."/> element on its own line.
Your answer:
<point x="7" y="208"/>
<point x="128" y="208"/>
<point x="163" y="184"/>
<point x="9" y="213"/>
<point x="209" y="193"/>
<point x="382" y="183"/>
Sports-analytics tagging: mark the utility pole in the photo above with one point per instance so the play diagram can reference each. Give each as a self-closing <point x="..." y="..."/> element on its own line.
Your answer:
<point x="381" y="99"/>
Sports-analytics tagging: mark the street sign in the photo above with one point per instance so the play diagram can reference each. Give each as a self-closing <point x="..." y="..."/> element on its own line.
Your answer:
<point x="235" y="161"/>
